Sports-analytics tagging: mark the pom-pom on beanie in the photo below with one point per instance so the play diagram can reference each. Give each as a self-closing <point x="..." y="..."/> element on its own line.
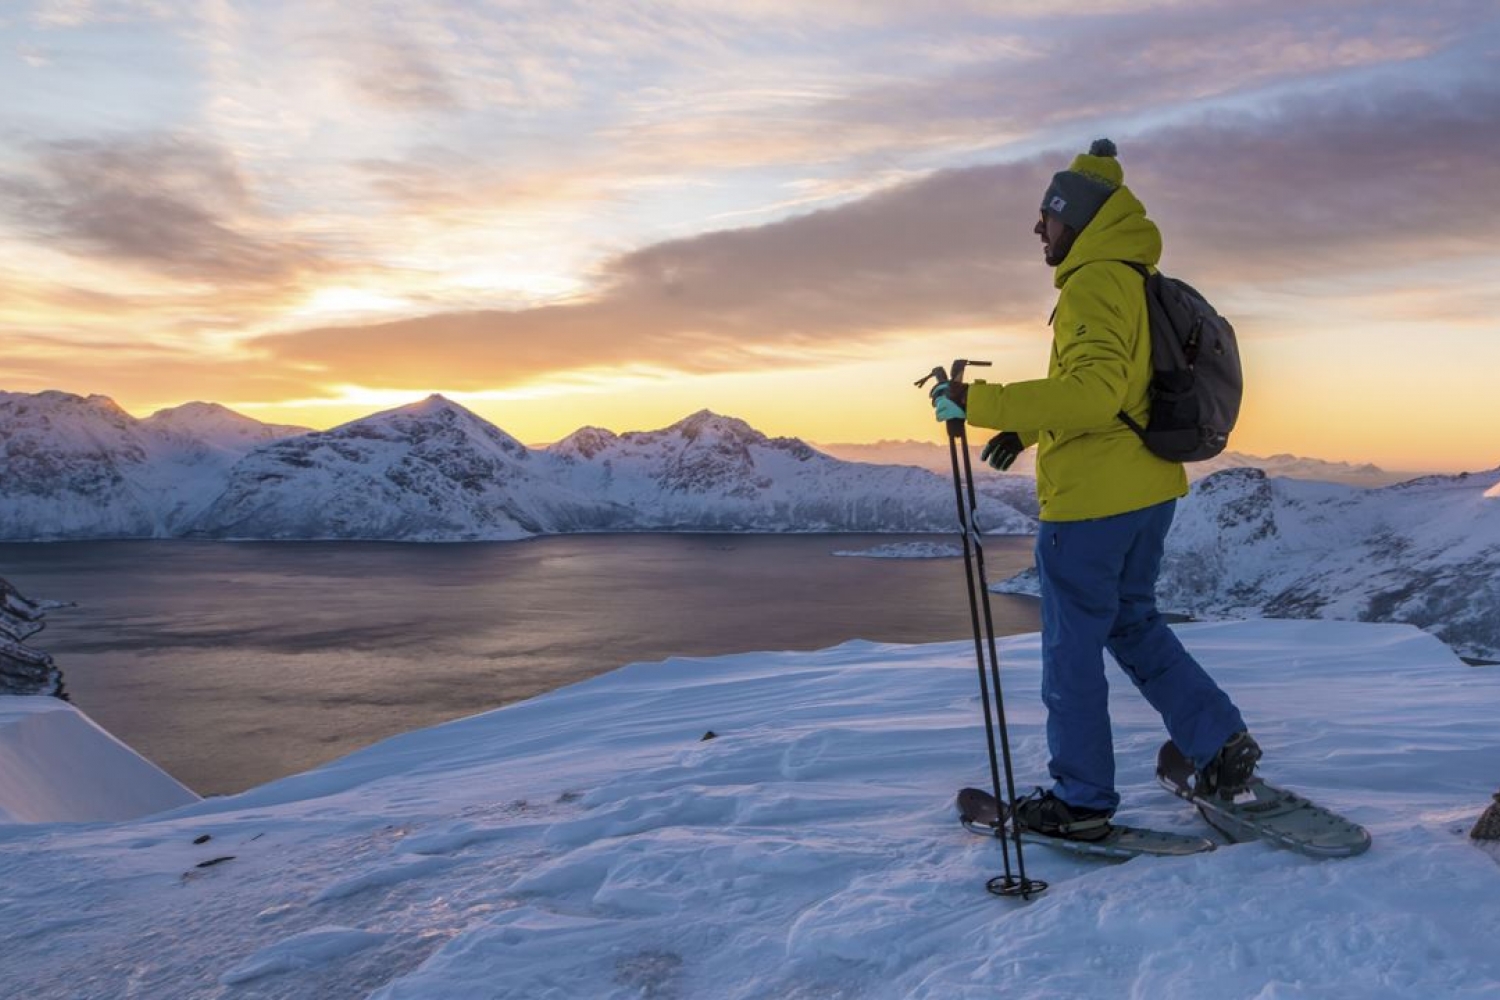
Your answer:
<point x="1076" y="194"/>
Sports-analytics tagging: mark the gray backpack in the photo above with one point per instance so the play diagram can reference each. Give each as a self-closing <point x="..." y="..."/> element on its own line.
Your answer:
<point x="1196" y="382"/>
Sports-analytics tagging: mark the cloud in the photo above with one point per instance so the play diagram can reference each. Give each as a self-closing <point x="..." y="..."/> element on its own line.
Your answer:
<point x="78" y="13"/>
<point x="399" y="75"/>
<point x="985" y="75"/>
<point x="1355" y="183"/>
<point x="168" y="204"/>
<point x="491" y="134"/>
<point x="1358" y="181"/>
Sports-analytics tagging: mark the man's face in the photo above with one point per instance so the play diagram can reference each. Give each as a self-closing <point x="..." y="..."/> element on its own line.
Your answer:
<point x="1057" y="239"/>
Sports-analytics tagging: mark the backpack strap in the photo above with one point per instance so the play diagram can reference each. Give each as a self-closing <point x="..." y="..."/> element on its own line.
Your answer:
<point x="1144" y="272"/>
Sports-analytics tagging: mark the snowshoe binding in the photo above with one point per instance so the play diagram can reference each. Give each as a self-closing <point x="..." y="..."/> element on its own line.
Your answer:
<point x="1243" y="807"/>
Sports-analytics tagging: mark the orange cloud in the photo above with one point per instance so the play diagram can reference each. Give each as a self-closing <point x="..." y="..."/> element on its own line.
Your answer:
<point x="1249" y="196"/>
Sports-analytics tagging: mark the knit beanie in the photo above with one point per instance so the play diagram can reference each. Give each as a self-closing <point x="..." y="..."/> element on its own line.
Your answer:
<point x="1076" y="194"/>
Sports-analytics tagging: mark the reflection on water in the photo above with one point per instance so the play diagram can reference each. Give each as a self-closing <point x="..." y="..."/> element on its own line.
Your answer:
<point x="230" y="664"/>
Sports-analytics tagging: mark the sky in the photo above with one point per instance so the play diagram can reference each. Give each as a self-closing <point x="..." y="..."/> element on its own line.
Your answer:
<point x="564" y="214"/>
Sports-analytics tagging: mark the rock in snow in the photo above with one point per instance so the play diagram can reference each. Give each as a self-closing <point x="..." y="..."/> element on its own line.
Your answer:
<point x="589" y="843"/>
<point x="24" y="669"/>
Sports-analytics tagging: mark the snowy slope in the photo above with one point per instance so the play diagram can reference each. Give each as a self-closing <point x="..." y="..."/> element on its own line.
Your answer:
<point x="714" y="473"/>
<point x="1426" y="552"/>
<point x="76" y="467"/>
<point x="589" y="843"/>
<point x="430" y="471"/>
<point x="57" y="765"/>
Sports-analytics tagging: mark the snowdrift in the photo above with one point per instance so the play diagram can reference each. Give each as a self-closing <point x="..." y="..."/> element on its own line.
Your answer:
<point x="56" y="765"/>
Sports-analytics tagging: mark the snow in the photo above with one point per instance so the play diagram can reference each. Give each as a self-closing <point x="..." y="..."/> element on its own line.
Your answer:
<point x="81" y="467"/>
<point x="713" y="473"/>
<point x="1425" y="552"/>
<point x="934" y="456"/>
<point x="592" y="842"/>
<point x="301" y="951"/>
<point x="905" y="550"/>
<point x="57" y="765"/>
<point x="433" y="471"/>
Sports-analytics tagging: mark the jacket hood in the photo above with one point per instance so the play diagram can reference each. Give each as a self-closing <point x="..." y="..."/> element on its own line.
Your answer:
<point x="1120" y="231"/>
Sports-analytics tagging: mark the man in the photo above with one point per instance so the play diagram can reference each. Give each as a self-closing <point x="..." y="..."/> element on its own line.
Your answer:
<point x="1106" y="505"/>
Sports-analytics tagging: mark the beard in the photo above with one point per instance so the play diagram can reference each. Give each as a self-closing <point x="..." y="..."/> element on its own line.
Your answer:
<point x="1058" y="252"/>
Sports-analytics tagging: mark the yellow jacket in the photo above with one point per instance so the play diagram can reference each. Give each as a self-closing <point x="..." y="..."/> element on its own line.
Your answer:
<point x="1089" y="464"/>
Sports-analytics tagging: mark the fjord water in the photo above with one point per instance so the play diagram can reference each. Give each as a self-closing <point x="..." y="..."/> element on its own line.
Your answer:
<point x="231" y="664"/>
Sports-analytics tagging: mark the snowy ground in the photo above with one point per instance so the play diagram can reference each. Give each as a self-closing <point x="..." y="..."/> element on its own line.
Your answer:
<point x="590" y="843"/>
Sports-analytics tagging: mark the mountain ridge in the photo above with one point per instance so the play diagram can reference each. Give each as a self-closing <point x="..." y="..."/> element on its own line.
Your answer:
<point x="433" y="470"/>
<point x="1245" y="544"/>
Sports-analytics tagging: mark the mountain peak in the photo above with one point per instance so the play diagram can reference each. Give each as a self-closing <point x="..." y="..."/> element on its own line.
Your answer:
<point x="585" y="442"/>
<point x="196" y="407"/>
<point x="214" y="423"/>
<point x="435" y="405"/>
<point x="434" y="415"/>
<point x="708" y="422"/>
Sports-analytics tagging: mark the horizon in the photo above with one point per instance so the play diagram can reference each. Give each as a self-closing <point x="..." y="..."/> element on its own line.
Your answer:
<point x="785" y="214"/>
<point x="937" y="442"/>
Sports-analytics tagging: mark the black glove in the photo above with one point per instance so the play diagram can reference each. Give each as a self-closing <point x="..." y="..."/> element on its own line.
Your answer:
<point x="1004" y="448"/>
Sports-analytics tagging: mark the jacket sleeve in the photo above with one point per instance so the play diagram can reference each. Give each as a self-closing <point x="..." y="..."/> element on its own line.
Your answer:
<point x="1090" y="368"/>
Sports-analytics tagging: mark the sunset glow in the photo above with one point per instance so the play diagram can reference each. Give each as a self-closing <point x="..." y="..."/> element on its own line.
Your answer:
<point x="567" y="214"/>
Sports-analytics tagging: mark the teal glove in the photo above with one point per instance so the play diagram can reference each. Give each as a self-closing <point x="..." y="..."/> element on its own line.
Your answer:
<point x="947" y="410"/>
<point x="949" y="399"/>
<point x="1003" y="449"/>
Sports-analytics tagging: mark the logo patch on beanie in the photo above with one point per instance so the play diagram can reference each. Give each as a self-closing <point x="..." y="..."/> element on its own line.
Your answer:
<point x="1057" y="204"/>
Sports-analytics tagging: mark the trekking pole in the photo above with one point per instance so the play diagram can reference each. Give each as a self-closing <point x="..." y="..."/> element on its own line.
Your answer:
<point x="1009" y="884"/>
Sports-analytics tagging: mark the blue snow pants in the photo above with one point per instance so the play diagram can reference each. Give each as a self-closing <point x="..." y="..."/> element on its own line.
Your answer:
<point x="1098" y="582"/>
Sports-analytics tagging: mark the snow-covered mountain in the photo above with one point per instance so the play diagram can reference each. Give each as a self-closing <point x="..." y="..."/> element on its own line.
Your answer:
<point x="81" y="467"/>
<point x="1297" y="467"/>
<point x="930" y="455"/>
<point x="433" y="471"/>
<point x="933" y="455"/>
<point x="1426" y="552"/>
<point x="714" y="473"/>
<point x="196" y="427"/>
<point x="430" y="471"/>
